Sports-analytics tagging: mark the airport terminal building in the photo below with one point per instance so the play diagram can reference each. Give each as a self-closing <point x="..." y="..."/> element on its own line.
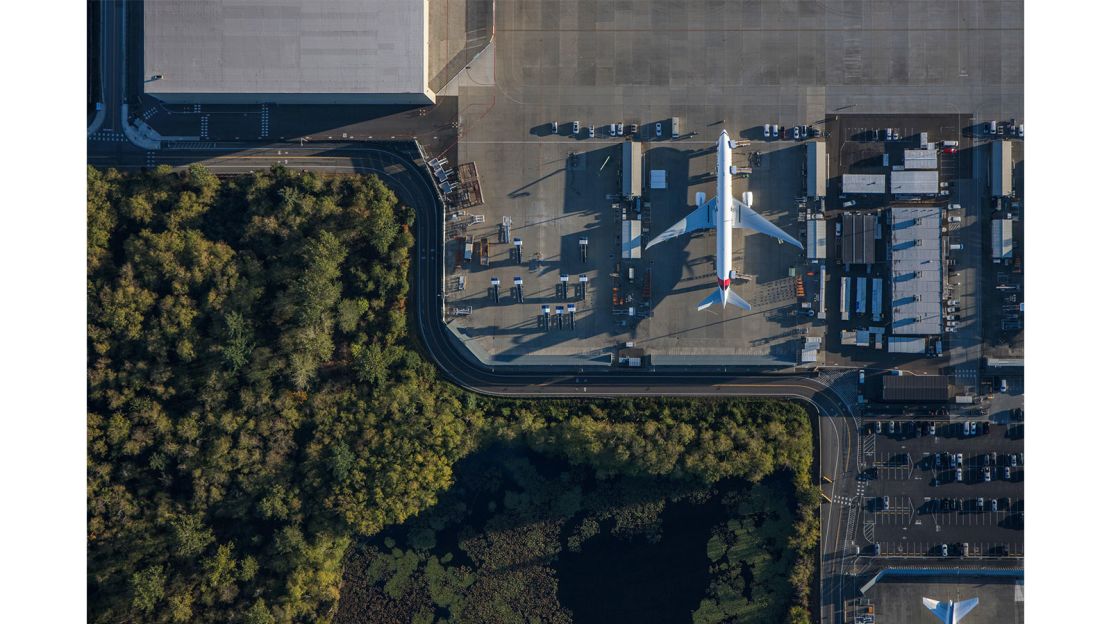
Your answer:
<point x="287" y="52"/>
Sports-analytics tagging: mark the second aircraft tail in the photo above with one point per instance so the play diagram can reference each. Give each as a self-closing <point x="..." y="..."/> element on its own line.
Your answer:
<point x="726" y="297"/>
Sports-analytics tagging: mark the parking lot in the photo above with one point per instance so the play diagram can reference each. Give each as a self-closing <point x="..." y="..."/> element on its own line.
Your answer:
<point x="932" y="486"/>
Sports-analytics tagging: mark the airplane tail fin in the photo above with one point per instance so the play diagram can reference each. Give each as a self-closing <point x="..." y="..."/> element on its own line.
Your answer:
<point x="726" y="297"/>
<point x="950" y="612"/>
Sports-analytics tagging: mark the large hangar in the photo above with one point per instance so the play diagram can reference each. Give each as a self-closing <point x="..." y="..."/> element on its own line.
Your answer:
<point x="287" y="51"/>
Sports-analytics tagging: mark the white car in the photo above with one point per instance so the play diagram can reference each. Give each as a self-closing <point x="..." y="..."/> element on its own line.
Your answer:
<point x="592" y="132"/>
<point x="766" y="131"/>
<point x="613" y="129"/>
<point x="554" y="127"/>
<point x="576" y="127"/>
<point x="659" y="129"/>
<point x="797" y="133"/>
<point x="620" y="129"/>
<point x="775" y="130"/>
<point x="955" y="218"/>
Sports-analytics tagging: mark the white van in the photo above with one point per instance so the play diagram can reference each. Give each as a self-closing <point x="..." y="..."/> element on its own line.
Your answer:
<point x="674" y="128"/>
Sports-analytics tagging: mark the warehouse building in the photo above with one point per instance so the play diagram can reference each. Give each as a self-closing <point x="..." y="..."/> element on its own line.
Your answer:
<point x="920" y="159"/>
<point x="915" y="388"/>
<point x="632" y="175"/>
<point x="1002" y="239"/>
<point x="288" y="52"/>
<point x="1002" y="169"/>
<point x="863" y="184"/>
<point x="816" y="239"/>
<point x="817" y="169"/>
<point x="914" y="182"/>
<point x="857" y="242"/>
<point x="917" y="276"/>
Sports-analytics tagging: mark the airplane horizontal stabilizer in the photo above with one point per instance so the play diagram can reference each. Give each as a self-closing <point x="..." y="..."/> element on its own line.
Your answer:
<point x="731" y="298"/>
<point x="950" y="612"/>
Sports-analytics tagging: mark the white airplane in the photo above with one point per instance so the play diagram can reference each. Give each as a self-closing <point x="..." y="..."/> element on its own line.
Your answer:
<point x="735" y="214"/>
<point x="950" y="612"/>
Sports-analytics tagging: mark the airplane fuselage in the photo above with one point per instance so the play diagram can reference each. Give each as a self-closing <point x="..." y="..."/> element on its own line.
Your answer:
<point x="724" y="211"/>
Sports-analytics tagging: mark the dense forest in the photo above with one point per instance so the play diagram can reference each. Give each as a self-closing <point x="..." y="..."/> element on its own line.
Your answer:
<point x="256" y="405"/>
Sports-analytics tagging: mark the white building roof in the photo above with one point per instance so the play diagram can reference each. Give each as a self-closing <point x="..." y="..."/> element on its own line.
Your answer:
<point x="817" y="171"/>
<point x="905" y="344"/>
<point x="863" y="183"/>
<point x="914" y="182"/>
<point x="920" y="159"/>
<point x="632" y="180"/>
<point x="816" y="239"/>
<point x="917" y="264"/>
<point x="310" y="51"/>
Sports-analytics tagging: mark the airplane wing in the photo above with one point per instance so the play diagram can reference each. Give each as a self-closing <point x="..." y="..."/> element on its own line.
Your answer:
<point x="948" y="612"/>
<point x="752" y="220"/>
<point x="700" y="219"/>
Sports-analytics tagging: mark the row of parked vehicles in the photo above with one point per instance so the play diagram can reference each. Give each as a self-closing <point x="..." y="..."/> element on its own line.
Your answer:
<point x="618" y="129"/>
<point x="771" y="132"/>
<point x="969" y="428"/>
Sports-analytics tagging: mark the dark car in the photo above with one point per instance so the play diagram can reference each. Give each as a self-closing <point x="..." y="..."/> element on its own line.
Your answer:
<point x="986" y="427"/>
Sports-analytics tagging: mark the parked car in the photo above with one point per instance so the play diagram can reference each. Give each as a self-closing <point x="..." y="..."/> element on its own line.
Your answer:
<point x="620" y="129"/>
<point x="797" y="133"/>
<point x="994" y="504"/>
<point x="1006" y="474"/>
<point x="959" y="459"/>
<point x="766" y="131"/>
<point x="955" y="218"/>
<point x="775" y="131"/>
<point x="950" y="150"/>
<point x="944" y="550"/>
<point x="592" y="132"/>
<point x="986" y="474"/>
<point x="932" y="428"/>
<point x="960" y="474"/>
<point x="576" y="127"/>
<point x="554" y="127"/>
<point x="967" y="429"/>
<point x="886" y="503"/>
<point x="659" y="129"/>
